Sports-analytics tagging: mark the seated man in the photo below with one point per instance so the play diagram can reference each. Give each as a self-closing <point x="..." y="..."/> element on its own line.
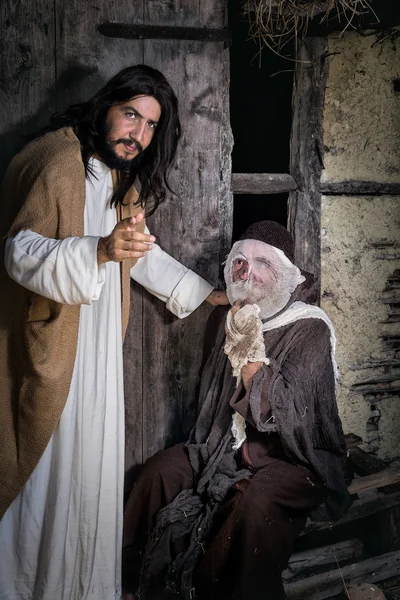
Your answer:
<point x="216" y="518"/>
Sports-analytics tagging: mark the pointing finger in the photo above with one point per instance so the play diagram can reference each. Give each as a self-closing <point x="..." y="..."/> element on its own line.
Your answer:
<point x="136" y="235"/>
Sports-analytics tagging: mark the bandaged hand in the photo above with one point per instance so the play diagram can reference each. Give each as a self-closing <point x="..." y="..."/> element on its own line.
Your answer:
<point x="244" y="337"/>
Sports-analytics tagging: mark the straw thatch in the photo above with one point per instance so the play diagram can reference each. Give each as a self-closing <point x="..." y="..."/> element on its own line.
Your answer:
<point x="274" y="23"/>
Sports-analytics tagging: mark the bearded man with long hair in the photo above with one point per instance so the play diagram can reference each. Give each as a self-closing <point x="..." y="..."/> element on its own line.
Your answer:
<point x="74" y="231"/>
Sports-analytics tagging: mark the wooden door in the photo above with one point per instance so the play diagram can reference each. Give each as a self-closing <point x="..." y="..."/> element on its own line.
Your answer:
<point x="54" y="55"/>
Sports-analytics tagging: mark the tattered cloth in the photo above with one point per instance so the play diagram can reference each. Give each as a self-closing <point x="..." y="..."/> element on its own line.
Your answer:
<point x="43" y="190"/>
<point x="304" y="407"/>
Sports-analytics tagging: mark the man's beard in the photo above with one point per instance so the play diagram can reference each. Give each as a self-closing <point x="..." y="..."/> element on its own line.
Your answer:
<point x="105" y="149"/>
<point x="270" y="301"/>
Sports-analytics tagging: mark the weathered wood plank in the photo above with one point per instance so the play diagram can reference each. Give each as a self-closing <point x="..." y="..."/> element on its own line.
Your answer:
<point x="324" y="555"/>
<point x="226" y="195"/>
<point x="366" y="464"/>
<point x="27" y="73"/>
<point x="376" y="480"/>
<point x="306" y="160"/>
<point x="85" y="61"/>
<point x="262" y="183"/>
<point x="326" y="585"/>
<point x="361" y="508"/>
<point x="186" y="13"/>
<point x="192" y="225"/>
<point x="359" y="188"/>
<point x="352" y="440"/>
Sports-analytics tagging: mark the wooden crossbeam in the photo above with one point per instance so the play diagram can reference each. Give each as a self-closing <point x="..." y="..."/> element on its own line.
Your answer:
<point x="360" y="188"/>
<point x="262" y="183"/>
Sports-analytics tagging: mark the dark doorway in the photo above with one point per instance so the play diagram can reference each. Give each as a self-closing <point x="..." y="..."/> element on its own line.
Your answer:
<point x="260" y="109"/>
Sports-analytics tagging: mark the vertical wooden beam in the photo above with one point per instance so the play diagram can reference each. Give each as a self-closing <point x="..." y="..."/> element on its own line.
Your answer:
<point x="306" y="162"/>
<point x="226" y="193"/>
<point x="193" y="226"/>
<point x="27" y="72"/>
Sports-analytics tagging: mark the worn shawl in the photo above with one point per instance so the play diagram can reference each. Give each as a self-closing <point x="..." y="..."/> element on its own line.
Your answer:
<point x="304" y="407"/>
<point x="43" y="190"/>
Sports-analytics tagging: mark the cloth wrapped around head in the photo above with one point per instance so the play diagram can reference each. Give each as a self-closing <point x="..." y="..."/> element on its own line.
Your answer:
<point x="260" y="278"/>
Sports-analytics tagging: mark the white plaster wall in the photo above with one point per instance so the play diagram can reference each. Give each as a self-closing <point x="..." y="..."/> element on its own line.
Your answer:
<point x="354" y="276"/>
<point x="362" y="110"/>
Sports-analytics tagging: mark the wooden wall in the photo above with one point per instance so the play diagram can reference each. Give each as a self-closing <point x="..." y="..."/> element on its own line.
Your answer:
<point x="53" y="56"/>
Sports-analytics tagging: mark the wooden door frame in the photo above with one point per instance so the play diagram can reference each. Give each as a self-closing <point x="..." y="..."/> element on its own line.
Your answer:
<point x="306" y="154"/>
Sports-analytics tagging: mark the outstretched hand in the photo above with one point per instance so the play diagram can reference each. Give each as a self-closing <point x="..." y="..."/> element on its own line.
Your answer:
<point x="124" y="242"/>
<point x="218" y="298"/>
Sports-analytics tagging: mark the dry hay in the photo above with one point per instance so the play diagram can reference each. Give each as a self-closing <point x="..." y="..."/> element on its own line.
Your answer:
<point x="275" y="23"/>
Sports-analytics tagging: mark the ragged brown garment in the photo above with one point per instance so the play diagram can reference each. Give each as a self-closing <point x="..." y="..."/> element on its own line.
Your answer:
<point x="43" y="190"/>
<point x="252" y="534"/>
<point x="299" y="387"/>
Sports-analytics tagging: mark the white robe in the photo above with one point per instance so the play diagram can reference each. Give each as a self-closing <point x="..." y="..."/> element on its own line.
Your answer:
<point x="61" y="538"/>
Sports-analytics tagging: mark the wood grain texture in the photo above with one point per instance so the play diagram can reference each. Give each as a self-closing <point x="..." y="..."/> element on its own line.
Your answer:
<point x="262" y="183"/>
<point x="360" y="188"/>
<point x="27" y="72"/>
<point x="164" y="32"/>
<point x="321" y="556"/>
<point x="327" y="584"/>
<point x="367" y="464"/>
<point x="382" y="479"/>
<point x="192" y="224"/>
<point x="85" y="59"/>
<point x="361" y="508"/>
<point x="304" y="220"/>
<point x="54" y="57"/>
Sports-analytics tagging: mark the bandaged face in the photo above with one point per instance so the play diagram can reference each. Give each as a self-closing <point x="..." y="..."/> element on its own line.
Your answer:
<point x="261" y="274"/>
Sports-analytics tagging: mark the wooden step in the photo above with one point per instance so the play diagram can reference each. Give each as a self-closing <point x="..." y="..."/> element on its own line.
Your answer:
<point x="361" y="508"/>
<point x="328" y="584"/>
<point x="379" y="480"/>
<point x="324" y="555"/>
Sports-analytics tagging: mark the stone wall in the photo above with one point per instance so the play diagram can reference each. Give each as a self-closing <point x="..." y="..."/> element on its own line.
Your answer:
<point x="360" y="235"/>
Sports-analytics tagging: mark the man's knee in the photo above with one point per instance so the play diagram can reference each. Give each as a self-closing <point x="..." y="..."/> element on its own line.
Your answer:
<point x="258" y="506"/>
<point x="265" y="526"/>
<point x="167" y="466"/>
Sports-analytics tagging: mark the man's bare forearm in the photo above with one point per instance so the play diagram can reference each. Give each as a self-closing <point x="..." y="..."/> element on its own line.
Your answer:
<point x="248" y="372"/>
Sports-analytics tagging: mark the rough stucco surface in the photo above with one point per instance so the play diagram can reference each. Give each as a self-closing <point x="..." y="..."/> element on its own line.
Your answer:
<point x="360" y="249"/>
<point x="362" y="110"/>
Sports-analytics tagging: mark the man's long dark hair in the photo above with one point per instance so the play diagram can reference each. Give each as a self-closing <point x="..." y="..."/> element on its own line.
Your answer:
<point x="154" y="163"/>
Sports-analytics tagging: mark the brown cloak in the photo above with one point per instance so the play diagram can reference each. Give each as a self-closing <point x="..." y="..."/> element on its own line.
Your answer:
<point x="299" y="387"/>
<point x="43" y="190"/>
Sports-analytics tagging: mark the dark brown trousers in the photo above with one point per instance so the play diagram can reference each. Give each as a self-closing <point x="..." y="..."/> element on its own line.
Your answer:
<point x="253" y="532"/>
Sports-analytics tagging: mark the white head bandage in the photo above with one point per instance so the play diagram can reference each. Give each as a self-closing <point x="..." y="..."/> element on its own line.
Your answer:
<point x="260" y="274"/>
